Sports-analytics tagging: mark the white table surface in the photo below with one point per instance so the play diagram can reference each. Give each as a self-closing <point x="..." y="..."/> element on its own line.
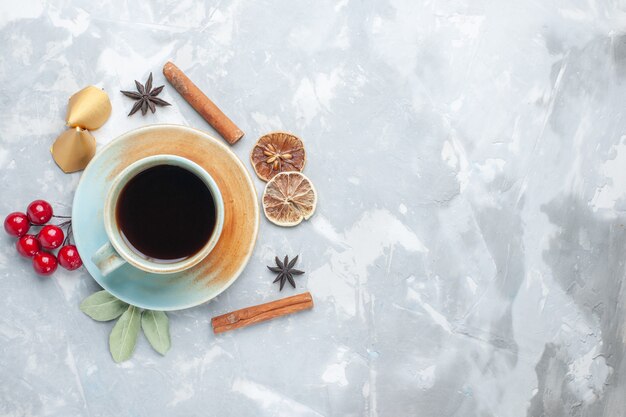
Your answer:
<point x="467" y="254"/>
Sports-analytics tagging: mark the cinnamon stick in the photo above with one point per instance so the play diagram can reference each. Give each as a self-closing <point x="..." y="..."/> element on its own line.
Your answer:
<point x="202" y="104"/>
<point x="263" y="312"/>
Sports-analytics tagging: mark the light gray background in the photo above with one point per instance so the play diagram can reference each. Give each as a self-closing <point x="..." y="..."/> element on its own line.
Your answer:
<point x="467" y="255"/>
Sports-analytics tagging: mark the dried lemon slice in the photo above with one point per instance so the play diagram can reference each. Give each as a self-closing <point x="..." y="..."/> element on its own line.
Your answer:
<point x="277" y="152"/>
<point x="288" y="198"/>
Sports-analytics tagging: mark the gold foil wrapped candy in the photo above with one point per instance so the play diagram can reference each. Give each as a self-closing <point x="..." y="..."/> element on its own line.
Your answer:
<point x="87" y="110"/>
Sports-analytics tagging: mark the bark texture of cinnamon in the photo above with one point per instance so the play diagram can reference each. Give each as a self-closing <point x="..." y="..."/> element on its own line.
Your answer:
<point x="263" y="312"/>
<point x="202" y="104"/>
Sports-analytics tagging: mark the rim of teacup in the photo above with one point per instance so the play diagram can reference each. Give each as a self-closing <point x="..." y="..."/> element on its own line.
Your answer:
<point x="119" y="243"/>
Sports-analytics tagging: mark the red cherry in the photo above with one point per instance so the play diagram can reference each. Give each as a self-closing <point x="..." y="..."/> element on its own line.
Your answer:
<point x="16" y="224"/>
<point x="69" y="258"/>
<point x="44" y="263"/>
<point x="50" y="237"/>
<point x="27" y="246"/>
<point x="39" y="212"/>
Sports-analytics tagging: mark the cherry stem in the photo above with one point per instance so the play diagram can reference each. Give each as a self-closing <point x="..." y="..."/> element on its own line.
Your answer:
<point x="69" y="233"/>
<point x="65" y="223"/>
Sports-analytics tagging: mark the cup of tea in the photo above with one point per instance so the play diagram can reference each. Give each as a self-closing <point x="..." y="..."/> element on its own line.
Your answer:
<point x="163" y="214"/>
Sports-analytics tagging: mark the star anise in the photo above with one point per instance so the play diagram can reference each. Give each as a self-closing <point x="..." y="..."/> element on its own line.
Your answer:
<point x="146" y="97"/>
<point x="285" y="271"/>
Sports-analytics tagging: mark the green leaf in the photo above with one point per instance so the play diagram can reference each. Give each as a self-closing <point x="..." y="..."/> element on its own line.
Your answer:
<point x="156" y="327"/>
<point x="124" y="334"/>
<point x="102" y="306"/>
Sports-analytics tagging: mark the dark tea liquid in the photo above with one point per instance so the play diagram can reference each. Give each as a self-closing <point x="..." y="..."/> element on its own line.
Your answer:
<point x="166" y="213"/>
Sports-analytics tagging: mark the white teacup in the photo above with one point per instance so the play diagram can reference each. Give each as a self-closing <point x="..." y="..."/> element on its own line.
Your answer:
<point x="116" y="252"/>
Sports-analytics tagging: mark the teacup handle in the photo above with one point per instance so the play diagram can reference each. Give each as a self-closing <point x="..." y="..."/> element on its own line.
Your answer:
<point x="107" y="259"/>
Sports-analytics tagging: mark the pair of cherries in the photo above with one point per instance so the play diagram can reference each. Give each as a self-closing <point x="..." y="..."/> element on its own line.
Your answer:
<point x="38" y="213"/>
